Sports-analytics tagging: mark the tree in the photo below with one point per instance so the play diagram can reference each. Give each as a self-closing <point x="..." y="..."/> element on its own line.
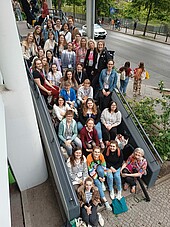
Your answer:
<point x="150" y="6"/>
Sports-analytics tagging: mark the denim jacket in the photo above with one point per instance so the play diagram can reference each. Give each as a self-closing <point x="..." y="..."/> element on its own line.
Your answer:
<point x="112" y="79"/>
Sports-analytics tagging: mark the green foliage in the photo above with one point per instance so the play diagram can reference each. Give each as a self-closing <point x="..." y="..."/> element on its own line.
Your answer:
<point x="155" y="123"/>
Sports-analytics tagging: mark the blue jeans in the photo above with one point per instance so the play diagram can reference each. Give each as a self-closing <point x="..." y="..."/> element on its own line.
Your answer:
<point x="69" y="148"/>
<point x="117" y="179"/>
<point x="98" y="183"/>
<point x="97" y="127"/>
<point x="123" y="85"/>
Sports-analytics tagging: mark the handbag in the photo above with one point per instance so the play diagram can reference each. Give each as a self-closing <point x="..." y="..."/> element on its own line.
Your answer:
<point x="147" y="75"/>
<point x="123" y="75"/>
<point x="119" y="206"/>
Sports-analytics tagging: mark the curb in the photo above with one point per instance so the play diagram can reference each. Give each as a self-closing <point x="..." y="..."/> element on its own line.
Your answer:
<point x="138" y="36"/>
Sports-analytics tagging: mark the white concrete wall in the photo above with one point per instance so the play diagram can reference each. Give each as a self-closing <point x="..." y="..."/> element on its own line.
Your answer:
<point x="24" y="147"/>
<point x="5" y="217"/>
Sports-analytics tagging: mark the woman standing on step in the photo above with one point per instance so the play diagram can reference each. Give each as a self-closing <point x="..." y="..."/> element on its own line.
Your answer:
<point x="114" y="160"/>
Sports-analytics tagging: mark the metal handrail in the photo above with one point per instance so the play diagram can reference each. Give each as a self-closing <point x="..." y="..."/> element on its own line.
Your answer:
<point x="57" y="163"/>
<point x="147" y="139"/>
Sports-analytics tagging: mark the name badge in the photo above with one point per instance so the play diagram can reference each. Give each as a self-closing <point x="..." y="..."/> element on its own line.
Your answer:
<point x="82" y="60"/>
<point x="106" y="86"/>
<point x="90" y="62"/>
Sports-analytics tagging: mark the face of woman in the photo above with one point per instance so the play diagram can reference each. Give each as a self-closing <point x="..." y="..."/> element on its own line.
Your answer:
<point x="38" y="31"/>
<point x="61" y="38"/>
<point x="44" y="61"/>
<point x="88" y="185"/>
<point x="113" y="147"/>
<point x="96" y="154"/>
<point x="90" y="104"/>
<point x="113" y="107"/>
<point x="40" y="53"/>
<point x="49" y="24"/>
<point x="51" y="36"/>
<point x="100" y="46"/>
<point x="69" y="75"/>
<point x="77" y="38"/>
<point x="90" y="125"/>
<point x="69" y="118"/>
<point x="79" y="68"/>
<point x="110" y="65"/>
<point x="54" y="68"/>
<point x="83" y="42"/>
<point x="30" y="38"/>
<point x="38" y="65"/>
<point x="49" y="55"/>
<point x="60" y="102"/>
<point x="70" y="46"/>
<point x="86" y="84"/>
<point x="65" y="27"/>
<point x="91" y="45"/>
<point x="138" y="155"/>
<point x="78" y="154"/>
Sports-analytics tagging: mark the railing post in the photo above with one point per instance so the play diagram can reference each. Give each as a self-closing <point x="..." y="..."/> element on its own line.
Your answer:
<point x="167" y="35"/>
<point x="126" y="29"/>
<point x="155" y="35"/>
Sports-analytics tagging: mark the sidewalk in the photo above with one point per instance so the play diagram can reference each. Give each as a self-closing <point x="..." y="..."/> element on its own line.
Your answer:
<point x="149" y="36"/>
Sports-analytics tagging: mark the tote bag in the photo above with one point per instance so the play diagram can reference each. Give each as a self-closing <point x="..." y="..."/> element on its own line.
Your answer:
<point x="119" y="206"/>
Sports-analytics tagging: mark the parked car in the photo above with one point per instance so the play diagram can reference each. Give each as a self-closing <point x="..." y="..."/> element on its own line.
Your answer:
<point x="99" y="32"/>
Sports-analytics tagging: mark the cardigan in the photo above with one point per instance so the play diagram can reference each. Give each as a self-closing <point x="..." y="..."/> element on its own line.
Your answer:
<point x="87" y="136"/>
<point x="92" y="165"/>
<point x="68" y="97"/>
<point x="82" y="196"/>
<point x="62" y="129"/>
<point x="83" y="118"/>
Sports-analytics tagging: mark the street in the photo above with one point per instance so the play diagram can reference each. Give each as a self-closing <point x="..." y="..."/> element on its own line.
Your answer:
<point x="156" y="56"/>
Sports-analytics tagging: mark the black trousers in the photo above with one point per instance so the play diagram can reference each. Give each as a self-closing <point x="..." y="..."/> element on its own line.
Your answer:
<point x="109" y="134"/>
<point x="91" y="219"/>
<point x="129" y="180"/>
<point x="104" y="100"/>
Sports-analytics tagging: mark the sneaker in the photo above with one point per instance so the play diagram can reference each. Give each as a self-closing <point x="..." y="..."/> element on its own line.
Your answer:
<point x="112" y="194"/>
<point x="108" y="207"/>
<point x="103" y="187"/>
<point x="102" y="145"/>
<point x="101" y="220"/>
<point x="119" y="195"/>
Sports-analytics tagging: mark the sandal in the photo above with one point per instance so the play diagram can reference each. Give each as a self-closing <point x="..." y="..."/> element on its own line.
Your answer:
<point x="133" y="189"/>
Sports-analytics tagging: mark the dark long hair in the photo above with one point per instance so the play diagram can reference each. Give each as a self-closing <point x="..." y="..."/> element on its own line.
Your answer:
<point x="72" y="157"/>
<point x="109" y="107"/>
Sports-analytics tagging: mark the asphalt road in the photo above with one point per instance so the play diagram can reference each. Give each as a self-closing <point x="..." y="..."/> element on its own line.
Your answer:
<point x="156" y="56"/>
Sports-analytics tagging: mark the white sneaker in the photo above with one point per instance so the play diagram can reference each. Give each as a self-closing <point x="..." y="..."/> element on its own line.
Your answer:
<point x="108" y="207"/>
<point x="119" y="195"/>
<point x="112" y="194"/>
<point x="101" y="220"/>
<point x="103" y="187"/>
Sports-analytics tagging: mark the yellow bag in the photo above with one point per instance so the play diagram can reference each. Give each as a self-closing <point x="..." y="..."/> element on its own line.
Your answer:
<point x="147" y="75"/>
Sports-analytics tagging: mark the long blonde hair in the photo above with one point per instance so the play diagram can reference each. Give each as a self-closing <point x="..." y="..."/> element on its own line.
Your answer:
<point x="85" y="108"/>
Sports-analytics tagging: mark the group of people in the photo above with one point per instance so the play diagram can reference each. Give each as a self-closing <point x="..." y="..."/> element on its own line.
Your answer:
<point x="77" y="78"/>
<point x="91" y="174"/>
